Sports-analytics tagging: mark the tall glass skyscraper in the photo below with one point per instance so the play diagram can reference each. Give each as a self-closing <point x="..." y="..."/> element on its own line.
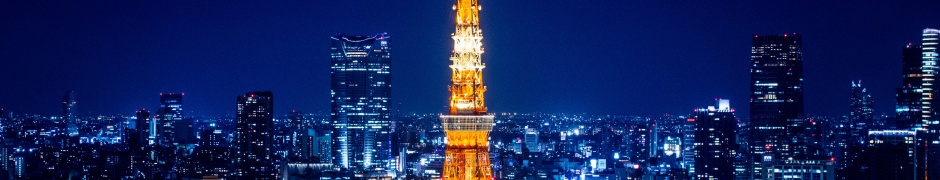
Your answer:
<point x="254" y="125"/>
<point x="929" y="124"/>
<point x="776" y="97"/>
<point x="360" y="106"/>
<point x="171" y="111"/>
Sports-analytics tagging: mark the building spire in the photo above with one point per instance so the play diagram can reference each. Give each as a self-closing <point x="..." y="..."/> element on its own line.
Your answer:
<point x="467" y="12"/>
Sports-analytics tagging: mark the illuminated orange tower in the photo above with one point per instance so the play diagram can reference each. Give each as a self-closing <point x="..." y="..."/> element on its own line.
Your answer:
<point x="468" y="125"/>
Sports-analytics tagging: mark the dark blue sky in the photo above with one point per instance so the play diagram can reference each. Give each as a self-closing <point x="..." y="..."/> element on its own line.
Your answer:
<point x="598" y="57"/>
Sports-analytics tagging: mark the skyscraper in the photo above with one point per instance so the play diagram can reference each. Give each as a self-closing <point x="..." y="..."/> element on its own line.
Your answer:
<point x="143" y="127"/>
<point x="916" y="108"/>
<point x="929" y="126"/>
<point x="254" y="118"/>
<point x="688" y="148"/>
<point x="930" y="122"/>
<point x="909" y="93"/>
<point x="861" y="112"/>
<point x="859" y="122"/>
<point x="68" y="114"/>
<point x="776" y="97"/>
<point x="467" y="126"/>
<point x="170" y="111"/>
<point x="715" y="144"/>
<point x="360" y="108"/>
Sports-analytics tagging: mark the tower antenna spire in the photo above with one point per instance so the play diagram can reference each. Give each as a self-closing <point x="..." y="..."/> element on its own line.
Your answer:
<point x="467" y="125"/>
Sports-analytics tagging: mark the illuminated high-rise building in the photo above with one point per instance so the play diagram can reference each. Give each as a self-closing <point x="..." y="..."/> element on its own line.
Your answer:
<point x="170" y="111"/>
<point x="688" y="148"/>
<point x="930" y="122"/>
<point x="254" y="125"/>
<point x="929" y="125"/>
<point x="467" y="125"/>
<point x="715" y="143"/>
<point x="789" y="168"/>
<point x="361" y="108"/>
<point x="776" y="98"/>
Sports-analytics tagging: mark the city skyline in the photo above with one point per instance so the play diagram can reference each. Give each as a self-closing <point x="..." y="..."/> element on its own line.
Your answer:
<point x="106" y="51"/>
<point x="608" y="90"/>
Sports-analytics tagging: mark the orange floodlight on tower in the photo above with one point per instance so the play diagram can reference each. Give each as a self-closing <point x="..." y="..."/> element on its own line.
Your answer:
<point x="467" y="125"/>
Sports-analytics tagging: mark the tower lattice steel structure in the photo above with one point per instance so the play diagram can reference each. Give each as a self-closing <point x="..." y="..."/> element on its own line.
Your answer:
<point x="468" y="125"/>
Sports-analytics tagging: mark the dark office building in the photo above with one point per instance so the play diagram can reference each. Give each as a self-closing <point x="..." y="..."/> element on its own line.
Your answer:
<point x="184" y="130"/>
<point x="171" y="111"/>
<point x="891" y="154"/>
<point x="296" y="121"/>
<point x="69" y="121"/>
<point x="360" y="112"/>
<point x="776" y="97"/>
<point x="254" y="127"/>
<point x="640" y="144"/>
<point x="213" y="154"/>
<point x="861" y="113"/>
<point x="210" y="137"/>
<point x="143" y="126"/>
<point x="908" y="95"/>
<point x="715" y="145"/>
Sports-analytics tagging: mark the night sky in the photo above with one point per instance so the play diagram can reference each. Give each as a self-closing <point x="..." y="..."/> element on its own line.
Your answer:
<point x="597" y="57"/>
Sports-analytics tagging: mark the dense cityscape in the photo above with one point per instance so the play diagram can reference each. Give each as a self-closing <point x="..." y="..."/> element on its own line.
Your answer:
<point x="365" y="135"/>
